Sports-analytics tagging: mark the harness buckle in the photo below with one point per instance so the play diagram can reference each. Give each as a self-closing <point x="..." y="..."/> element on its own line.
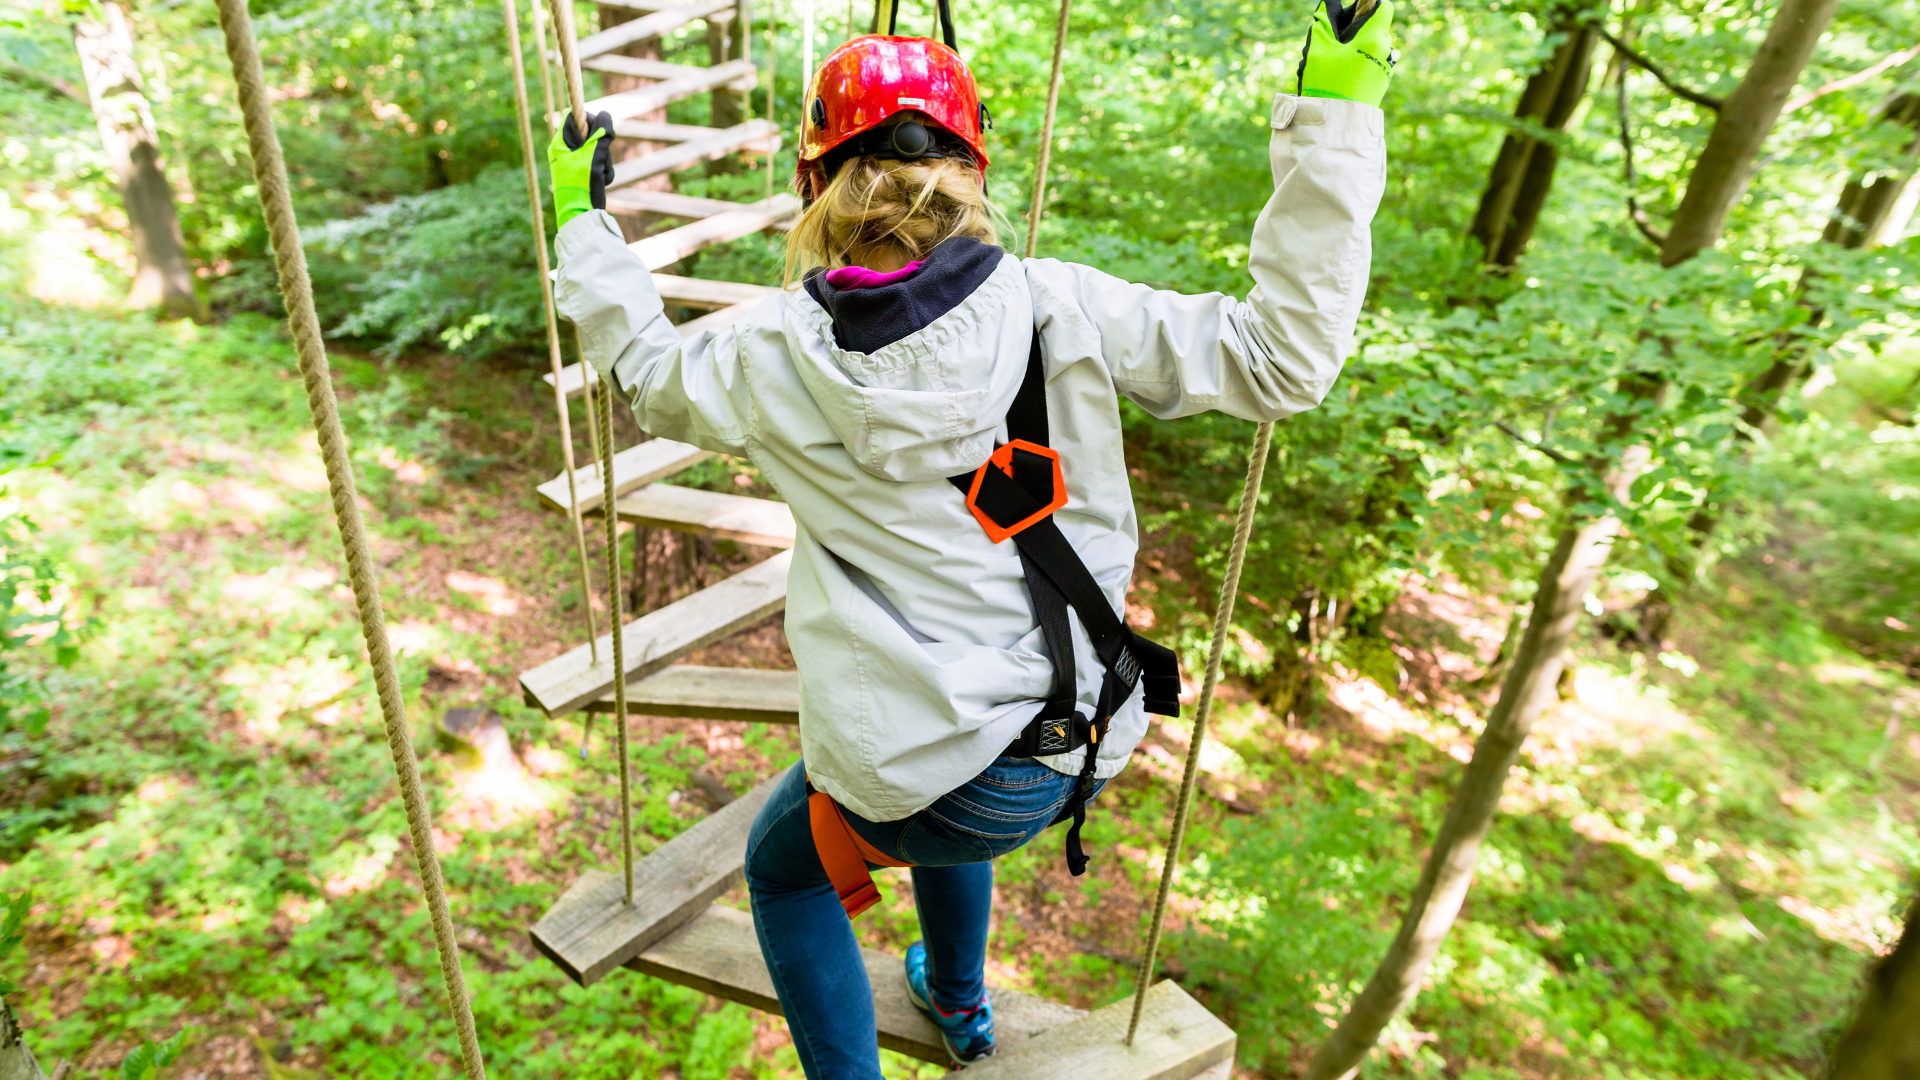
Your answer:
<point x="1002" y="459"/>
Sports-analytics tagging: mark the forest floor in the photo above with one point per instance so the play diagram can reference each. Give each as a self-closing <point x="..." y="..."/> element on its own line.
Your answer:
<point x="1699" y="853"/>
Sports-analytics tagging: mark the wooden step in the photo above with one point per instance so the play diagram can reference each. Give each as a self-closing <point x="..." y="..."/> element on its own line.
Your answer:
<point x="660" y="70"/>
<point x="645" y="99"/>
<point x="644" y="5"/>
<point x="717" y="952"/>
<point x="1178" y="1040"/>
<point x="572" y="680"/>
<point x="710" y="693"/>
<point x="652" y="132"/>
<point x="570" y="379"/>
<point x="710" y="513"/>
<point x="756" y="136"/>
<point x="593" y="930"/>
<point x="663" y="21"/>
<point x="702" y="292"/>
<point x="717" y="320"/>
<point x="634" y="467"/>
<point x="662" y="250"/>
<point x="670" y="203"/>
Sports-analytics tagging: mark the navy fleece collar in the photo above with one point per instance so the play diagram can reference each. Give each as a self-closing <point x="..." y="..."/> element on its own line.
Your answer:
<point x="868" y="320"/>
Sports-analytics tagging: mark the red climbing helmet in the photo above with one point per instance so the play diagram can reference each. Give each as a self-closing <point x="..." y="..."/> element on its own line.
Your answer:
<point x="870" y="78"/>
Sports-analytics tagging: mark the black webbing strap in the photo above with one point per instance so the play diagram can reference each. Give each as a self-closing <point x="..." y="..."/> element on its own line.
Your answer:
<point x="1057" y="578"/>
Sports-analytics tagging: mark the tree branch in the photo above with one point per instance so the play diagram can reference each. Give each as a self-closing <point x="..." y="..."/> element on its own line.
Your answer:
<point x="1634" y="213"/>
<point x="1531" y="445"/>
<point x="1626" y="50"/>
<point x="1849" y="81"/>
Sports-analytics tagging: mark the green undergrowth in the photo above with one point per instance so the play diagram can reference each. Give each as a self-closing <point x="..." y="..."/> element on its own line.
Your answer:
<point x="211" y="827"/>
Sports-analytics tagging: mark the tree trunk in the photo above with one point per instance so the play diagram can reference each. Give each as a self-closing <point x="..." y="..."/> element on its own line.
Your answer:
<point x="724" y="43"/>
<point x="1522" y="173"/>
<point x="1720" y="174"/>
<point x="1883" y="1042"/>
<point x="1874" y="210"/>
<point x="1718" y="178"/>
<point x="162" y="277"/>
<point x="1529" y="688"/>
<point x="16" y="1060"/>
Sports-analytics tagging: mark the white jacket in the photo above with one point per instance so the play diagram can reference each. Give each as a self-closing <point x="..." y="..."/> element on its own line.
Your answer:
<point x="918" y="652"/>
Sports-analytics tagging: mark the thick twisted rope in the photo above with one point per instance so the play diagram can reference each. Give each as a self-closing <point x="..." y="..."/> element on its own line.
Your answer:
<point x="538" y="220"/>
<point x="576" y="98"/>
<point x="564" y="42"/>
<point x="270" y="174"/>
<point x="586" y="387"/>
<point x="1222" y="619"/>
<point x="1046" y="132"/>
<point x="619" y="645"/>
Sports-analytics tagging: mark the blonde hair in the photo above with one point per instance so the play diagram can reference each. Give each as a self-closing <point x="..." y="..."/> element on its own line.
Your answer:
<point x="873" y="206"/>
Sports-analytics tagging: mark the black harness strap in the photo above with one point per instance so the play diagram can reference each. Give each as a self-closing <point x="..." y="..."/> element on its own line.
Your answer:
<point x="1056" y="579"/>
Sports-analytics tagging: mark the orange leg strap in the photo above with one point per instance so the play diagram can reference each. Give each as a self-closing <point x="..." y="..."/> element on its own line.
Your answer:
<point x="845" y="855"/>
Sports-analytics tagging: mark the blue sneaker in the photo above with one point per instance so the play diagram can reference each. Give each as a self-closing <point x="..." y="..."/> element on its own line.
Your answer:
<point x="968" y="1035"/>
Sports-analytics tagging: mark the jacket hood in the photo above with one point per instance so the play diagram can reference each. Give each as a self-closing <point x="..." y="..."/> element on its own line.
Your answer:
<point x="928" y="404"/>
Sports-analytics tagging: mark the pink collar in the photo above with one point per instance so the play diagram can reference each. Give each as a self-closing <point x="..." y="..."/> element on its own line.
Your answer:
<point x="859" y="277"/>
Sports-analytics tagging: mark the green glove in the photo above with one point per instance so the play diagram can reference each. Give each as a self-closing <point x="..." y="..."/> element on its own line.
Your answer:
<point x="580" y="167"/>
<point x="1348" y="54"/>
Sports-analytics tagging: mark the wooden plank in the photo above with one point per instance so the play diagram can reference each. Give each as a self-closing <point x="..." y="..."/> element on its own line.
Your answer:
<point x="710" y="513"/>
<point x="688" y="133"/>
<point x="664" y="21"/>
<point x="652" y="132"/>
<point x="656" y="96"/>
<point x="726" y="316"/>
<point x="572" y="680"/>
<point x="574" y="386"/>
<point x="701" y="292"/>
<point x="717" y="952"/>
<point x="759" y="136"/>
<point x="662" y="250"/>
<point x="670" y="203"/>
<point x="592" y="929"/>
<point x="662" y="70"/>
<point x="1178" y="1040"/>
<point x="674" y="204"/>
<point x="710" y="693"/>
<point x="634" y="467"/>
<point x="641" y="5"/>
<point x="717" y="320"/>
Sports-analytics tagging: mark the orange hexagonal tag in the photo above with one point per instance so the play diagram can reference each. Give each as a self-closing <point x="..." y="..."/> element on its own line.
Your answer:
<point x="1002" y="459"/>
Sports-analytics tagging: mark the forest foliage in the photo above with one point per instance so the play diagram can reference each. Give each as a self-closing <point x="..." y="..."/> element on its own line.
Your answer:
<point x="1465" y="429"/>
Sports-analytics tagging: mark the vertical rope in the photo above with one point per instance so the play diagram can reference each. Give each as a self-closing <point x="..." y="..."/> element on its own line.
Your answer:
<point x="614" y="598"/>
<point x="538" y="219"/>
<point x="546" y="70"/>
<point x="1046" y="132"/>
<point x="565" y="39"/>
<point x="270" y="174"/>
<point x="576" y="98"/>
<point x="1222" y="618"/>
<point x="540" y="28"/>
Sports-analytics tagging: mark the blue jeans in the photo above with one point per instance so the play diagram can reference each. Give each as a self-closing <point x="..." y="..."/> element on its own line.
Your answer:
<point x="808" y="940"/>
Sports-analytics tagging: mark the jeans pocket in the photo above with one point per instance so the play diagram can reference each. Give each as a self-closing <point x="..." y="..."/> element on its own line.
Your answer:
<point x="929" y="840"/>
